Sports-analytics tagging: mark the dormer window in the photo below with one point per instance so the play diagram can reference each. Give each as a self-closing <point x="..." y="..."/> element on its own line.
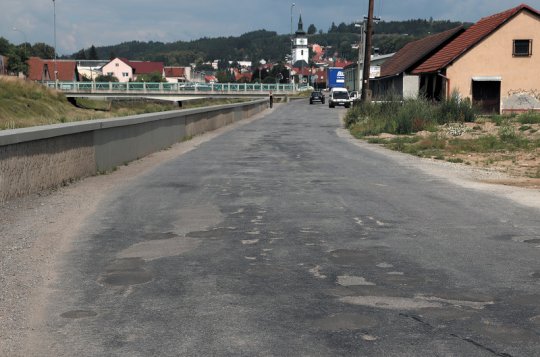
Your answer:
<point x="522" y="48"/>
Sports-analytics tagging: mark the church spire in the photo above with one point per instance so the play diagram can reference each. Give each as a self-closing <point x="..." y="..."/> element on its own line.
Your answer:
<point x="300" y="30"/>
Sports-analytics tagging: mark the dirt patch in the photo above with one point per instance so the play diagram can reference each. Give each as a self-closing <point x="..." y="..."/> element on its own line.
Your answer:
<point x="509" y="148"/>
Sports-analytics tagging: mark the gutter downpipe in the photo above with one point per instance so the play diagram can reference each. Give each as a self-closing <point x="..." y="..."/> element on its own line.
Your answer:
<point x="447" y="84"/>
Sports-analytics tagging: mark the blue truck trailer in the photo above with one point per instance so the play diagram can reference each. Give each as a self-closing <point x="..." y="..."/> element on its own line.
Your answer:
<point x="335" y="78"/>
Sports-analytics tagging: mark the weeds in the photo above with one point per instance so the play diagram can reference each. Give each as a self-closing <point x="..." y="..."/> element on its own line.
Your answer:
<point x="529" y="118"/>
<point x="406" y="116"/>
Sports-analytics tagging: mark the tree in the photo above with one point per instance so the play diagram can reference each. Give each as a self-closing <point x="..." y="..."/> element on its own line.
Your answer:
<point x="311" y="29"/>
<point x="92" y="53"/>
<point x="151" y="77"/>
<point x="333" y="28"/>
<point x="106" y="78"/>
<point x="81" y="55"/>
<point x="42" y="50"/>
<point x="4" y="46"/>
<point x="17" y="61"/>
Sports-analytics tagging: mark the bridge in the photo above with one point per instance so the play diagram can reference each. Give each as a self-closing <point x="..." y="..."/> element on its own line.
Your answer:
<point x="172" y="91"/>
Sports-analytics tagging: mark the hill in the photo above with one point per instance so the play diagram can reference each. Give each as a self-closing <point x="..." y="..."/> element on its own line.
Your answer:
<point x="261" y="44"/>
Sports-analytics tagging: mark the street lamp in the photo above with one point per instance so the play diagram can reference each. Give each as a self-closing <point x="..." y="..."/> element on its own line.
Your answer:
<point x="55" y="68"/>
<point x="291" y="39"/>
<point x="361" y="50"/>
<point x="25" y="40"/>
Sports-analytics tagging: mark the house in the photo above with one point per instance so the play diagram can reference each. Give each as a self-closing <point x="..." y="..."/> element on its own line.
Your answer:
<point x="353" y="76"/>
<point x="126" y="70"/>
<point x="242" y="77"/>
<point x="119" y="68"/>
<point x="90" y="69"/>
<point x="43" y="70"/>
<point x="494" y="63"/>
<point x="177" y="74"/>
<point x="395" y="77"/>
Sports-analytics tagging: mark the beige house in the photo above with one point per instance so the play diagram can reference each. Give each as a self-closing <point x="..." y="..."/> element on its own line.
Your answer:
<point x="119" y="68"/>
<point x="495" y="63"/>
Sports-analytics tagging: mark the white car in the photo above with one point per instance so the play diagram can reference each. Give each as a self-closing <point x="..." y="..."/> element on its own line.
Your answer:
<point x="339" y="96"/>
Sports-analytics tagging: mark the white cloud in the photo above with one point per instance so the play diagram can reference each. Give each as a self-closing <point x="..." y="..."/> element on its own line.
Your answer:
<point x="82" y="23"/>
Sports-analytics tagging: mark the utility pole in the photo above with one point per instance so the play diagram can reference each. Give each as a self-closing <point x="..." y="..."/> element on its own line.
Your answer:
<point x="55" y="67"/>
<point x="291" y="79"/>
<point x="367" y="54"/>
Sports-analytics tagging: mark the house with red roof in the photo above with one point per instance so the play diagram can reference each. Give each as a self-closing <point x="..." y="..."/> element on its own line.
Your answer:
<point x="43" y="70"/>
<point x="126" y="70"/>
<point x="177" y="74"/>
<point x="495" y="63"/>
<point x="396" y="79"/>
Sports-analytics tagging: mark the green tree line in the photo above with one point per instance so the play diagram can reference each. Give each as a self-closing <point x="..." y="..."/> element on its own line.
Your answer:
<point x="253" y="46"/>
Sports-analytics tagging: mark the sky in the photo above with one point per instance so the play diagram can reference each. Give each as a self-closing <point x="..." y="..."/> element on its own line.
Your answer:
<point x="80" y="24"/>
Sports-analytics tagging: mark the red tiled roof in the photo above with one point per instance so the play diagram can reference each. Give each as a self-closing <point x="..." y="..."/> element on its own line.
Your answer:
<point x="210" y="78"/>
<point x="470" y="38"/>
<point x="175" y="72"/>
<point x="239" y="76"/>
<point x="341" y="63"/>
<point x="67" y="70"/>
<point x="146" y="67"/>
<point x="414" y="52"/>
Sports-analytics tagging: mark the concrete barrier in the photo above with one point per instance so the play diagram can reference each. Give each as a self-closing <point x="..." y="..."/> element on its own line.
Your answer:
<point x="44" y="157"/>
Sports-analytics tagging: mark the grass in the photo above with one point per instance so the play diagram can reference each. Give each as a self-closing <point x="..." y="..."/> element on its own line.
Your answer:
<point x="406" y="116"/>
<point x="529" y="118"/>
<point x="447" y="137"/>
<point x="25" y="104"/>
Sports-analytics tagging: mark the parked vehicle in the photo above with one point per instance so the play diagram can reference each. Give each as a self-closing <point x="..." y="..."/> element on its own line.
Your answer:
<point x="316" y="96"/>
<point x="339" y="96"/>
<point x="354" y="96"/>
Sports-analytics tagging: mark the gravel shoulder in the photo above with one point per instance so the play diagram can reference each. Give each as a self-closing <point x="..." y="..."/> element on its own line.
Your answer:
<point x="36" y="230"/>
<point x="486" y="180"/>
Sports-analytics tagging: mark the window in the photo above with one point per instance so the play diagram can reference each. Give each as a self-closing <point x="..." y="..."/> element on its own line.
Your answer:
<point x="125" y="74"/>
<point x="117" y="64"/>
<point x="522" y="48"/>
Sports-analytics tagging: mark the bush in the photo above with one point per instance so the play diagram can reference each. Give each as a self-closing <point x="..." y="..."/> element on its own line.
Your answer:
<point x="529" y="118"/>
<point x="454" y="109"/>
<point x="406" y="117"/>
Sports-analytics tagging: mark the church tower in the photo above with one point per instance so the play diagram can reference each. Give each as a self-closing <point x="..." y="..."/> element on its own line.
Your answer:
<point x="300" y="46"/>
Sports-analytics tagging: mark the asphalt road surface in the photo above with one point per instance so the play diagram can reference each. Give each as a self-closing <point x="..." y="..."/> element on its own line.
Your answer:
<point x="281" y="238"/>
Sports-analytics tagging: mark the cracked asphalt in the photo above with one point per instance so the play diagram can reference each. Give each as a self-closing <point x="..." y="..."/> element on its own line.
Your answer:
<point x="282" y="238"/>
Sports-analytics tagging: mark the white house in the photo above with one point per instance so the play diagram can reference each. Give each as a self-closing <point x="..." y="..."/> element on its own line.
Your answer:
<point x="119" y="68"/>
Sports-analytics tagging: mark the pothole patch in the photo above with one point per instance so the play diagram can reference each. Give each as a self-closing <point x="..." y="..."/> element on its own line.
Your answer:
<point x="389" y="302"/>
<point x="417" y="302"/>
<point x="160" y="235"/>
<point x="125" y="272"/>
<point x="155" y="249"/>
<point x="78" y="314"/>
<point x="124" y="278"/>
<point x="344" y="321"/>
<point x="347" y="280"/>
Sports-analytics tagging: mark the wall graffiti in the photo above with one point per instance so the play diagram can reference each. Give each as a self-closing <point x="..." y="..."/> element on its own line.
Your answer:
<point x="521" y="100"/>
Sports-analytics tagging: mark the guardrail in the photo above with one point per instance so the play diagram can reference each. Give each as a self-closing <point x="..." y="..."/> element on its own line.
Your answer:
<point x="172" y="88"/>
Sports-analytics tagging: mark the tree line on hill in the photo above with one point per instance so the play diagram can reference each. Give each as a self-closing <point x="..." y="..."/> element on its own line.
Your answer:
<point x="253" y="46"/>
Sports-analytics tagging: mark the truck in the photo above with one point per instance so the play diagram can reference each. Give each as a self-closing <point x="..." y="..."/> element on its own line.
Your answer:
<point x="335" y="78"/>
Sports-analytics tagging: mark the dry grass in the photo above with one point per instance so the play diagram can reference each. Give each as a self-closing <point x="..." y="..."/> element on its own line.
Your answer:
<point x="24" y="104"/>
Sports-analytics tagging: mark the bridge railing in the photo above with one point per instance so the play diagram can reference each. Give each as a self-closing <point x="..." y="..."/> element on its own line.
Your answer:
<point x="151" y="87"/>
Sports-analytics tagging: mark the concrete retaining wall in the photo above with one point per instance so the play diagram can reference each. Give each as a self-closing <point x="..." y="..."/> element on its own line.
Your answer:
<point x="38" y="158"/>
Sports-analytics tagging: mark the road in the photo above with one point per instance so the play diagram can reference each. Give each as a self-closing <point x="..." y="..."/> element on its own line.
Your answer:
<point x="282" y="238"/>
